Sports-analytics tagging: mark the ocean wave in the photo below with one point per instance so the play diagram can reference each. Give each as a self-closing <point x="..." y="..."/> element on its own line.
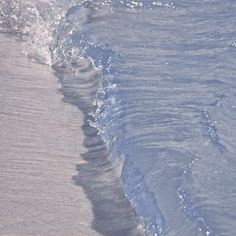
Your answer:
<point x="158" y="103"/>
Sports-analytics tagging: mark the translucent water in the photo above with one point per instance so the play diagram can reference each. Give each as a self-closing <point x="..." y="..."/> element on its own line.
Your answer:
<point x="166" y="104"/>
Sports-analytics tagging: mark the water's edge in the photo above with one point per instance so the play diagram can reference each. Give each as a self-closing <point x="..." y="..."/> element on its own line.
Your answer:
<point x="98" y="176"/>
<point x="151" y="96"/>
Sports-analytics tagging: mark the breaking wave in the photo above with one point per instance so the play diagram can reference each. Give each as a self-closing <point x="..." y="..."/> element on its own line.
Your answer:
<point x="165" y="103"/>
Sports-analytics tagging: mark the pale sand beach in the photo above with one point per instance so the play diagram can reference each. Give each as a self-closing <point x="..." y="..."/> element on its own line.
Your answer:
<point x="41" y="142"/>
<point x="125" y="128"/>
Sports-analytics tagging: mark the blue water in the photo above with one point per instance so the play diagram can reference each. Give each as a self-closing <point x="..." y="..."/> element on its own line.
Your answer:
<point x="166" y="105"/>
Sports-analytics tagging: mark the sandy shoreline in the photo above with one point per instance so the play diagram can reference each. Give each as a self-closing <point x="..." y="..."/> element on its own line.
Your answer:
<point x="41" y="143"/>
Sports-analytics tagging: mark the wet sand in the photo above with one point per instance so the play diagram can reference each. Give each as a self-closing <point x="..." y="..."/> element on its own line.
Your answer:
<point x="40" y="145"/>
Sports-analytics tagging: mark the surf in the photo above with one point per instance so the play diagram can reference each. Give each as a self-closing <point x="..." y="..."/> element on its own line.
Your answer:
<point x="154" y="95"/>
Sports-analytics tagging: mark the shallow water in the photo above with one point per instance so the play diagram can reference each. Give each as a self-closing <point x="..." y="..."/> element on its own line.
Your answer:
<point x="166" y="103"/>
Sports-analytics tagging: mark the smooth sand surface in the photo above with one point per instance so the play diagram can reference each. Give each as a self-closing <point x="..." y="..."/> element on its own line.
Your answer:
<point x="40" y="144"/>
